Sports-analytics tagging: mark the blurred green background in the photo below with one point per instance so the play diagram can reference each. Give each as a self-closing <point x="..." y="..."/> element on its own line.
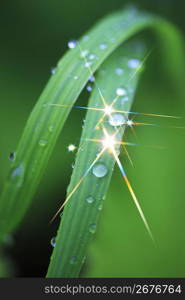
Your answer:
<point x="34" y="35"/>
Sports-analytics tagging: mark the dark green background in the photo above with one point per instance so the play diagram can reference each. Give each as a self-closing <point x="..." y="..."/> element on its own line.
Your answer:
<point x="34" y="35"/>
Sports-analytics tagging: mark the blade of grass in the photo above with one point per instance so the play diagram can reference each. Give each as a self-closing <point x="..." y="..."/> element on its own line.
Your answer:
<point x="45" y="123"/>
<point x="81" y="213"/>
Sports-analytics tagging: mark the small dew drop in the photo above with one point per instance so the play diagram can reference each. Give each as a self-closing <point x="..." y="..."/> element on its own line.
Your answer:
<point x="120" y="92"/>
<point x="123" y="100"/>
<point x="116" y="120"/>
<point x="17" y="175"/>
<point x="83" y="260"/>
<point x="53" y="71"/>
<point x="12" y="156"/>
<point x="51" y="128"/>
<point x="92" y="56"/>
<point x="73" y="260"/>
<point x="72" y="44"/>
<point x="91" y="78"/>
<point x="89" y="88"/>
<point x="71" y="148"/>
<point x="118" y="152"/>
<point x="87" y="64"/>
<point x="86" y="38"/>
<point x="53" y="242"/>
<point x="99" y="170"/>
<point x="113" y="40"/>
<point x="130" y="123"/>
<point x="43" y="143"/>
<point x="103" y="46"/>
<point x="100" y="206"/>
<point x="92" y="228"/>
<point x="18" y="171"/>
<point x="134" y="63"/>
<point x="119" y="71"/>
<point x="76" y="77"/>
<point x="90" y="199"/>
<point x="84" y="53"/>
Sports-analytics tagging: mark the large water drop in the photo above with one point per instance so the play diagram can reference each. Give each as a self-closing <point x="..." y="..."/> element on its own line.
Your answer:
<point x="99" y="170"/>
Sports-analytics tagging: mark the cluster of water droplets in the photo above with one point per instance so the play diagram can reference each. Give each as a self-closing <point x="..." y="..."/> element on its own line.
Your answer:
<point x="100" y="170"/>
<point x="89" y="88"/>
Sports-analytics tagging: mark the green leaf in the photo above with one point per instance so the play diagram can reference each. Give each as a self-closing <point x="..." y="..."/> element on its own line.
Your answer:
<point x="45" y="122"/>
<point x="91" y="177"/>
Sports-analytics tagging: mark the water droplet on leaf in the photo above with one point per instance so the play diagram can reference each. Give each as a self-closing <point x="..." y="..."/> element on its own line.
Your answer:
<point x="89" y="88"/>
<point x="120" y="92"/>
<point x="51" y="128"/>
<point x="116" y="120"/>
<point x="92" y="228"/>
<point x="99" y="170"/>
<point x="103" y="46"/>
<point x="92" y="56"/>
<point x="134" y="63"/>
<point x="119" y="71"/>
<point x="73" y="260"/>
<point x="17" y="175"/>
<point x="72" y="44"/>
<point x="43" y="143"/>
<point x="87" y="64"/>
<point x="100" y="206"/>
<point x="130" y="123"/>
<point x="86" y="38"/>
<point x="17" y="171"/>
<point x="53" y="242"/>
<point x="123" y="100"/>
<point x="83" y="260"/>
<point x="12" y="156"/>
<point x="84" y="53"/>
<point x="53" y="71"/>
<point x="90" y="199"/>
